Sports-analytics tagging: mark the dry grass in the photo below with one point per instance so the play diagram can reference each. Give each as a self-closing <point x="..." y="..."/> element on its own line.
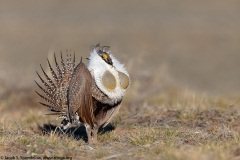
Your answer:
<point x="170" y="125"/>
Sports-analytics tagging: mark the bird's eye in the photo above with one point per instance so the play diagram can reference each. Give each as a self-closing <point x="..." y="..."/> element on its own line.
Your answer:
<point x="106" y="58"/>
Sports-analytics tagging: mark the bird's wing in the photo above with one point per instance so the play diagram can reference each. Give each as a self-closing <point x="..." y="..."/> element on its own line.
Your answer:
<point x="55" y="87"/>
<point x="80" y="94"/>
<point x="110" y="114"/>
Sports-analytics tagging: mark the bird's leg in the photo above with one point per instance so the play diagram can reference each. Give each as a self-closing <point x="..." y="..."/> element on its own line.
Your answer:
<point x="92" y="134"/>
<point x="89" y="134"/>
<point x="95" y="134"/>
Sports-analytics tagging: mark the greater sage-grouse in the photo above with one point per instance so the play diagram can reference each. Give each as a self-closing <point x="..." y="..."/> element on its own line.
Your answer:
<point x="88" y="95"/>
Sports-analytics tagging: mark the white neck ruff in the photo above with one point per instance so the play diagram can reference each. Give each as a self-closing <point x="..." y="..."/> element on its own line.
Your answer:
<point x="97" y="66"/>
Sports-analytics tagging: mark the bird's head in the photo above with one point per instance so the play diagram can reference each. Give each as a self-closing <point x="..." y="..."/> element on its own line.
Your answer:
<point x="106" y="57"/>
<point x="110" y="75"/>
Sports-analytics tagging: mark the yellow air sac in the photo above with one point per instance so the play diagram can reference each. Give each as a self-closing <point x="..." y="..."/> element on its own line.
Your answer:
<point x="109" y="81"/>
<point x="124" y="80"/>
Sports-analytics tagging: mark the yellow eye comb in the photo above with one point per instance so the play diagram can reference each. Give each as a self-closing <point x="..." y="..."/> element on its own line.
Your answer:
<point x="105" y="56"/>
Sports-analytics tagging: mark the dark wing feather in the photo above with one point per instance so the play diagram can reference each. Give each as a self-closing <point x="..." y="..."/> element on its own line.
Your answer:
<point x="80" y="94"/>
<point x="55" y="89"/>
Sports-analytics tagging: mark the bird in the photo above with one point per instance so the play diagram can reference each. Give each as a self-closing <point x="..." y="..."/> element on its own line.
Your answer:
<point x="88" y="95"/>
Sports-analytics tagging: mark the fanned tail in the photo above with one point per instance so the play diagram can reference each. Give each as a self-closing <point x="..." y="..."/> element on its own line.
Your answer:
<point x="54" y="92"/>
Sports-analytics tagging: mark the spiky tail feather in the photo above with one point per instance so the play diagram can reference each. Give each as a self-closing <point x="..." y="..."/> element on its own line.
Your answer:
<point x="54" y="92"/>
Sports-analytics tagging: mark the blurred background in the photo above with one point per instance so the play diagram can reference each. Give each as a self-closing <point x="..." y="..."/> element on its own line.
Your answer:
<point x="188" y="45"/>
